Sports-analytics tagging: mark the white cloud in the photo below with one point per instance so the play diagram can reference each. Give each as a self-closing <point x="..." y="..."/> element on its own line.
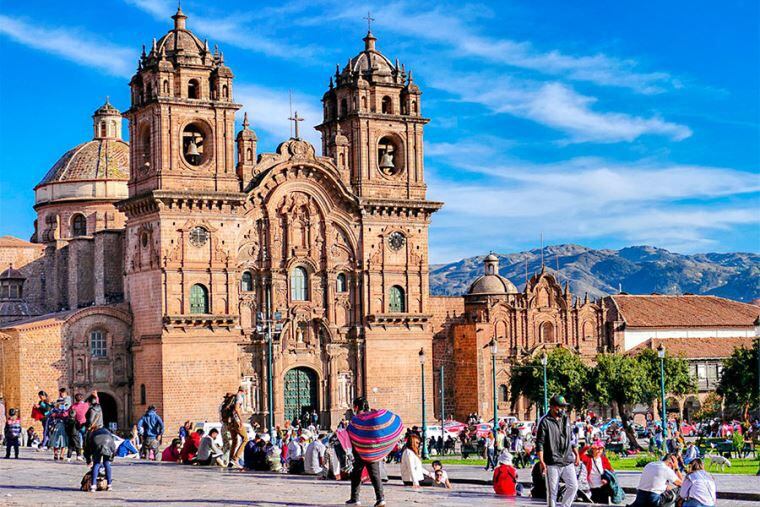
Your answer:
<point x="269" y="110"/>
<point x="684" y="208"/>
<point x="74" y="45"/>
<point x="452" y="27"/>
<point x="557" y="106"/>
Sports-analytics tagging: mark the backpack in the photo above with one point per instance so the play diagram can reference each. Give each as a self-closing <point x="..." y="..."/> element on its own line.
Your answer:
<point x="228" y="407"/>
<point x="616" y="492"/>
<point x="102" y="484"/>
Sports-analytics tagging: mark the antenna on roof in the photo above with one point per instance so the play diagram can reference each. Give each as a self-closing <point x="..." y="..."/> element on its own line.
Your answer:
<point x="542" y="252"/>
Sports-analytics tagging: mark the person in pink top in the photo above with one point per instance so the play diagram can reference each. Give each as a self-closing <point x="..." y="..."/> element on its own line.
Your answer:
<point x="80" y="408"/>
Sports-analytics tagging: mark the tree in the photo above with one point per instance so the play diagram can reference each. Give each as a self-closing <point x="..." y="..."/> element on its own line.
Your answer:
<point x="710" y="407"/>
<point x="627" y="380"/>
<point x="678" y="380"/>
<point x="738" y="381"/>
<point x="619" y="379"/>
<point x="566" y="374"/>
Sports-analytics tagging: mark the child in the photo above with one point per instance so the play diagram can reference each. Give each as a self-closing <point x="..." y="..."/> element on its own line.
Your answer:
<point x="12" y="433"/>
<point x="505" y="476"/>
<point x="32" y="438"/>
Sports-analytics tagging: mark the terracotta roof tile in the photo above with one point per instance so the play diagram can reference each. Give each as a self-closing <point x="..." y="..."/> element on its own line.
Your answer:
<point x="695" y="348"/>
<point x="684" y="311"/>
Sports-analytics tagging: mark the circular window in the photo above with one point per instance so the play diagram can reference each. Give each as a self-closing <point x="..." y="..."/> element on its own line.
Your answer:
<point x="198" y="236"/>
<point x="196" y="148"/>
<point x="396" y="240"/>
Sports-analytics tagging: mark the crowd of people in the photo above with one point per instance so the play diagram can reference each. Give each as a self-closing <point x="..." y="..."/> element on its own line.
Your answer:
<point x="567" y="457"/>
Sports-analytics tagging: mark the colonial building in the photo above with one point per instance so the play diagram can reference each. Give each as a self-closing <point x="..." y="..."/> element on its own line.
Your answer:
<point x="701" y="329"/>
<point x="155" y="263"/>
<point x="157" y="267"/>
<point x="542" y="316"/>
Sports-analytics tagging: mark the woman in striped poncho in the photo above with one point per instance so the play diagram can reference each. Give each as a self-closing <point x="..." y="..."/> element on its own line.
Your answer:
<point x="373" y="433"/>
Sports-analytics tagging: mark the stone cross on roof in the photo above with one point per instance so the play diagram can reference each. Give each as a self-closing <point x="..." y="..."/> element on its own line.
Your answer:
<point x="369" y="19"/>
<point x="295" y="119"/>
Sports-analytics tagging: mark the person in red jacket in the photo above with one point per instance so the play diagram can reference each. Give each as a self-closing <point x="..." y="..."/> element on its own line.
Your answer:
<point x="505" y="476"/>
<point x="596" y="463"/>
<point x="190" y="449"/>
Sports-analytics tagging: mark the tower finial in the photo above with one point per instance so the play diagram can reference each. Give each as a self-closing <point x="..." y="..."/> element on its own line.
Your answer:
<point x="245" y="121"/>
<point x="179" y="18"/>
<point x="296" y="119"/>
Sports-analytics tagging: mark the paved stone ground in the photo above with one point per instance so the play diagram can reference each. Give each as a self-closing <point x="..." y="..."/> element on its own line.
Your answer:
<point x="35" y="479"/>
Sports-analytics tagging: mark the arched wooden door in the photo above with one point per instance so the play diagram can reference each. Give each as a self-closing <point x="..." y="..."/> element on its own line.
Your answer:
<point x="300" y="392"/>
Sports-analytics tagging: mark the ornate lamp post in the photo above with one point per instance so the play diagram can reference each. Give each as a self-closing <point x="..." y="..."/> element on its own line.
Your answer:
<point x="266" y="326"/>
<point x="424" y="418"/>
<point x="544" y="360"/>
<point x="494" y="349"/>
<point x="661" y="355"/>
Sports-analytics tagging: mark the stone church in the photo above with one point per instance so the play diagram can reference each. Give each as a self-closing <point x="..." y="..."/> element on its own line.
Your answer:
<point x="160" y="268"/>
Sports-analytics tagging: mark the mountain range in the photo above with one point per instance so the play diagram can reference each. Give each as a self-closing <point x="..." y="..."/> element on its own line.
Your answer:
<point x="634" y="270"/>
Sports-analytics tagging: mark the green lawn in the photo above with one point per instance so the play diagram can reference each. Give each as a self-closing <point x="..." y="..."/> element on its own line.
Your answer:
<point x="738" y="466"/>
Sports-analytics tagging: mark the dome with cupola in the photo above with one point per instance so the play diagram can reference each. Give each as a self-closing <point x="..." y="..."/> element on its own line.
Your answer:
<point x="491" y="283"/>
<point x="98" y="168"/>
<point x="371" y="65"/>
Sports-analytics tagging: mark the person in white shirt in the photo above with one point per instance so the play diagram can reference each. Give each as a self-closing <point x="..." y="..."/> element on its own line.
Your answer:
<point x="209" y="451"/>
<point x="315" y="457"/>
<point x="412" y="473"/>
<point x="698" y="488"/>
<point x="439" y="475"/>
<point x="655" y="479"/>
<point x="295" y="455"/>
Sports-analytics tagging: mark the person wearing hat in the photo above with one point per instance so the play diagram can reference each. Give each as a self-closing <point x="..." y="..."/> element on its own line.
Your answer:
<point x="557" y="452"/>
<point x="595" y="464"/>
<point x="505" y="475"/>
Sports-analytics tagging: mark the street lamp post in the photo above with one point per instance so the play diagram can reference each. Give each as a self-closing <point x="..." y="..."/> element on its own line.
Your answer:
<point x="424" y="418"/>
<point x="757" y="337"/>
<point x="494" y="349"/>
<point x="265" y="325"/>
<point x="544" y="360"/>
<point x="661" y="355"/>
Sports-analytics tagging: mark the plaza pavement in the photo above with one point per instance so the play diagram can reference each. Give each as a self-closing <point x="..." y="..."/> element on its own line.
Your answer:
<point x="36" y="479"/>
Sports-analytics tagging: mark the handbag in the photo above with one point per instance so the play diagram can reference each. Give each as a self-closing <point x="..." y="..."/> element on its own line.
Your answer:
<point x="37" y="414"/>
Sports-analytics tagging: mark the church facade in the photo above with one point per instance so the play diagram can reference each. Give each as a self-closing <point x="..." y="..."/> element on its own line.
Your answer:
<point x="158" y="267"/>
<point x="174" y="268"/>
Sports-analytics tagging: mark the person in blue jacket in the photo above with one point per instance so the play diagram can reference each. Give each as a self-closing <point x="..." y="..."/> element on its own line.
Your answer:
<point x="151" y="428"/>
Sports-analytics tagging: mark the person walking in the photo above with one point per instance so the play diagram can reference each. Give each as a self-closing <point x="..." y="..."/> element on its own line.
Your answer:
<point x="490" y="452"/>
<point x="372" y="435"/>
<point x="44" y="407"/>
<point x="151" y="427"/>
<point x="12" y="434"/>
<point x="557" y="452"/>
<point x="232" y="421"/>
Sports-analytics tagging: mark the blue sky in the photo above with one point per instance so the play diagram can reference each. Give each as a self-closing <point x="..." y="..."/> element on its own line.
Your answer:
<point x="600" y="123"/>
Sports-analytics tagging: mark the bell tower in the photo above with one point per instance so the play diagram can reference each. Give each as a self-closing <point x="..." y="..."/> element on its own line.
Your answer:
<point x="376" y="105"/>
<point x="184" y="212"/>
<point x="182" y="118"/>
<point x="373" y="130"/>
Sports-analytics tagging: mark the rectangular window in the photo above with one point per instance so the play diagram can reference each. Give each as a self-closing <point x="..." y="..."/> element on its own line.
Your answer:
<point x="98" y="344"/>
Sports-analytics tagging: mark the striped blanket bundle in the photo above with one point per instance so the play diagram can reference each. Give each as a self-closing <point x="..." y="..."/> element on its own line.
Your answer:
<point x="374" y="434"/>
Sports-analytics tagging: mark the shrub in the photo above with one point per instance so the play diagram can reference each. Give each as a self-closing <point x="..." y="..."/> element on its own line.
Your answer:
<point x="644" y="460"/>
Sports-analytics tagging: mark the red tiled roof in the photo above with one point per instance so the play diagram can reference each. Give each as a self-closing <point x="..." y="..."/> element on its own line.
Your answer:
<point x="695" y="348"/>
<point x="684" y="311"/>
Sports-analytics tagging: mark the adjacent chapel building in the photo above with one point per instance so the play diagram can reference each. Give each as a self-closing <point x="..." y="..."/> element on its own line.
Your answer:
<point x="160" y="268"/>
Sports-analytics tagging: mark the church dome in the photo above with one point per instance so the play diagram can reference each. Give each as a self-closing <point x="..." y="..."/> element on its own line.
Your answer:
<point x="491" y="283"/>
<point x="99" y="159"/>
<point x="98" y="168"/>
<point x="371" y="65"/>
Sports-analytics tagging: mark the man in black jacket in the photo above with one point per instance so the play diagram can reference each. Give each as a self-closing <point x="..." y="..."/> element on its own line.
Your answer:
<point x="557" y="452"/>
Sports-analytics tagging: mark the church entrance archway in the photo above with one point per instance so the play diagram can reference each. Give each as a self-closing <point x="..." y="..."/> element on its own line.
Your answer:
<point x="109" y="408"/>
<point x="300" y="392"/>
